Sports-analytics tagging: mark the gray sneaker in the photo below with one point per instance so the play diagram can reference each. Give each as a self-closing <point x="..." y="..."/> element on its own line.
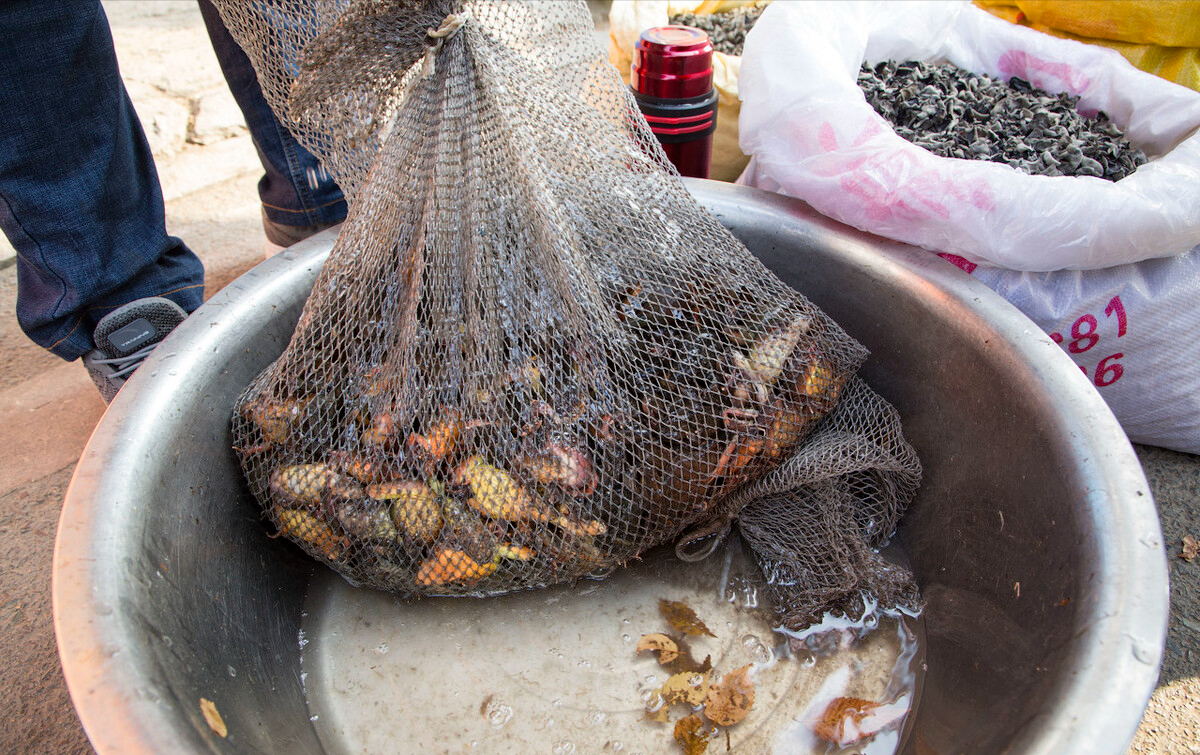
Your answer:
<point x="125" y="337"/>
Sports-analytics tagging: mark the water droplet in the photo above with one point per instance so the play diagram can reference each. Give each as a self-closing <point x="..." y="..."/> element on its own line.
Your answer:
<point x="758" y="650"/>
<point x="564" y="748"/>
<point x="585" y="663"/>
<point x="313" y="717"/>
<point x="168" y="641"/>
<point x="750" y="598"/>
<point x="596" y="718"/>
<point x="627" y="638"/>
<point x="498" y="713"/>
<point x="232" y="671"/>
<point x="381" y="648"/>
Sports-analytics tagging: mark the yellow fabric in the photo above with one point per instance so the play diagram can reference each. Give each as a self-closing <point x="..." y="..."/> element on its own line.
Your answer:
<point x="1169" y="23"/>
<point x="705" y="6"/>
<point x="1161" y="37"/>
<point x="720" y="6"/>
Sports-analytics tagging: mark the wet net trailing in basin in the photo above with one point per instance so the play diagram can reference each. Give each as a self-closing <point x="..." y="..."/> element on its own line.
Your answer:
<point x="531" y="355"/>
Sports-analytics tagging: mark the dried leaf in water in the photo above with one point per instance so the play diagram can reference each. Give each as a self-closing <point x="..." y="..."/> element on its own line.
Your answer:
<point x="1191" y="548"/>
<point x="658" y="709"/>
<point x="849" y="720"/>
<point x="691" y="735"/>
<point x="689" y="688"/>
<point x="687" y="662"/>
<point x="215" y="722"/>
<point x="659" y="643"/>
<point x="682" y="618"/>
<point x="731" y="698"/>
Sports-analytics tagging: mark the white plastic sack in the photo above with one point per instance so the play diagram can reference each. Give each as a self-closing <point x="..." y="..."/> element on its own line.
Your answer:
<point x="812" y="135"/>
<point x="1133" y="331"/>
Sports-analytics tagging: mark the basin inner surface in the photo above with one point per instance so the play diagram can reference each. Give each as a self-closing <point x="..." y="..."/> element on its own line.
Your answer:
<point x="556" y="670"/>
<point x="1034" y="535"/>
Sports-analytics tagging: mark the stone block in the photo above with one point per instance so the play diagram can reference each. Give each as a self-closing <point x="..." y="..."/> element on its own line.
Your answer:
<point x="164" y="119"/>
<point x="215" y="117"/>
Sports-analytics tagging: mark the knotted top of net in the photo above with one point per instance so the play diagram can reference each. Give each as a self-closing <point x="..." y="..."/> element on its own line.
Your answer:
<point x="531" y="355"/>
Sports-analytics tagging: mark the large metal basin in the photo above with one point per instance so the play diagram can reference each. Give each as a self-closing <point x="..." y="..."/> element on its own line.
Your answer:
<point x="1034" y="535"/>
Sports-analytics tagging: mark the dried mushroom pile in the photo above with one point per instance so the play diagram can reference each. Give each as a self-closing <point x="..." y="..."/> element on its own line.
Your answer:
<point x="727" y="31"/>
<point x="955" y="113"/>
<point x="531" y="355"/>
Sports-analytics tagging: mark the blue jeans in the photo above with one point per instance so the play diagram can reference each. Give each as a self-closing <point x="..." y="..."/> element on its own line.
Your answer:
<point x="295" y="190"/>
<point x="80" y="199"/>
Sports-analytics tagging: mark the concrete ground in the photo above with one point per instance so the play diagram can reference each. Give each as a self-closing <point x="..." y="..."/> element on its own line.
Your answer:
<point x="209" y="169"/>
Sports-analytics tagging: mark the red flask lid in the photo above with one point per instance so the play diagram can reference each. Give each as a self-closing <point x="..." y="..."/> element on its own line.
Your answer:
<point x="672" y="62"/>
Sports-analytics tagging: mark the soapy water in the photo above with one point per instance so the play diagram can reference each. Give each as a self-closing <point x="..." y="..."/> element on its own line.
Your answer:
<point x="555" y="670"/>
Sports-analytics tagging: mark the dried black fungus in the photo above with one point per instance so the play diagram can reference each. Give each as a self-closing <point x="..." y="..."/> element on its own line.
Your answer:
<point x="955" y="113"/>
<point x="727" y="31"/>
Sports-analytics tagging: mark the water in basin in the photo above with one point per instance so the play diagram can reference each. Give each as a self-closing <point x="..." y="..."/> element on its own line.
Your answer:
<point x="555" y="671"/>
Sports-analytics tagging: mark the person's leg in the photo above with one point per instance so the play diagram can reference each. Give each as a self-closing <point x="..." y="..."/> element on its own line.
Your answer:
<point x="79" y="195"/>
<point x="298" y="197"/>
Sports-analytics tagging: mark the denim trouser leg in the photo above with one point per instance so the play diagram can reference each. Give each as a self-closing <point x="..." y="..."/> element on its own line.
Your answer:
<point x="295" y="189"/>
<point x="79" y="195"/>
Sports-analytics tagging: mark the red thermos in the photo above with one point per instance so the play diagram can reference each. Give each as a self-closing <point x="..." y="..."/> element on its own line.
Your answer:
<point x="672" y="82"/>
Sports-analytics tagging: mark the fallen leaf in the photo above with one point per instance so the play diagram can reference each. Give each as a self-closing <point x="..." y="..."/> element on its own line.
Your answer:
<point x="1191" y="548"/>
<point x="682" y="618"/>
<point x="689" y="735"/>
<point x="661" y="714"/>
<point x="849" y="720"/>
<point x="659" y="643"/>
<point x="731" y="698"/>
<point x="687" y="662"/>
<point x="215" y="722"/>
<point x="689" y="687"/>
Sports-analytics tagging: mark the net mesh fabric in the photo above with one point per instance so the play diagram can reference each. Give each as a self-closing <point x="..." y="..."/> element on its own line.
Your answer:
<point x="531" y="355"/>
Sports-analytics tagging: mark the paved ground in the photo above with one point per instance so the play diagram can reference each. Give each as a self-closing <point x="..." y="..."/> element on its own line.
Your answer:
<point x="48" y="408"/>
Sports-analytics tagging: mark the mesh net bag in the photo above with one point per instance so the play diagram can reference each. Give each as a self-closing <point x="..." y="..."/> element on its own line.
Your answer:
<point x="531" y="355"/>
